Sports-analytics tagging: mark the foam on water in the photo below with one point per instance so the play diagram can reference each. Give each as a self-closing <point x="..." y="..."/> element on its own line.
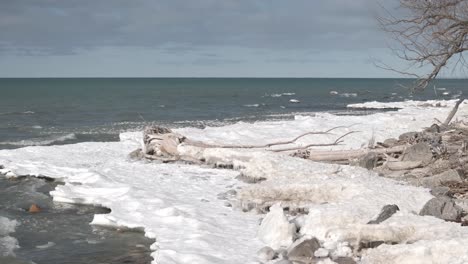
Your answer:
<point x="7" y="243"/>
<point x="41" y="141"/>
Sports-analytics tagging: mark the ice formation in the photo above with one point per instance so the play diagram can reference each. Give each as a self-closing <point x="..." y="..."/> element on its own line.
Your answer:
<point x="177" y="205"/>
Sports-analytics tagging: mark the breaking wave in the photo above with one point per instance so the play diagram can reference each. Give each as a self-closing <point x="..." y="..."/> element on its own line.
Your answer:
<point x="41" y="141"/>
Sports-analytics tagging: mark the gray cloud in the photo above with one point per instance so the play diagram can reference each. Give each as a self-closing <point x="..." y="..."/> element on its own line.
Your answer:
<point x="63" y="27"/>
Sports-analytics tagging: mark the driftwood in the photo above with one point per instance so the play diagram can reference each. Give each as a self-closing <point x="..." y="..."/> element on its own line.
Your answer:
<point x="340" y="155"/>
<point x="453" y="112"/>
<point x="161" y="143"/>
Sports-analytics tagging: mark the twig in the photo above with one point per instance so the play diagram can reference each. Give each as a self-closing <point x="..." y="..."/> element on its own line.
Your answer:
<point x="336" y="142"/>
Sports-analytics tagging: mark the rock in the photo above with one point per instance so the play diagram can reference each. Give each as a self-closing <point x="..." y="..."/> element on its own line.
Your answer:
<point x="136" y="154"/>
<point x="284" y="261"/>
<point x="440" y="179"/>
<point x="282" y="253"/>
<point x="409" y="136"/>
<point x="418" y="152"/>
<point x="442" y="207"/>
<point x="345" y="260"/>
<point x="440" y="191"/>
<point x="368" y="161"/>
<point x="266" y="254"/>
<point x="303" y="248"/>
<point x="275" y="230"/>
<point x="386" y="212"/>
<point x="321" y="253"/>
<point x="34" y="208"/>
<point x="390" y="142"/>
<point x="433" y="129"/>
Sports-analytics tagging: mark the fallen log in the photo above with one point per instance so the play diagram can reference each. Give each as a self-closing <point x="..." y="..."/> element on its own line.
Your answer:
<point x="337" y="155"/>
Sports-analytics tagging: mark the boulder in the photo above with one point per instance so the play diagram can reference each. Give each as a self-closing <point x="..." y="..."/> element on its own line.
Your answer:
<point x="303" y="248"/>
<point x="442" y="207"/>
<point x="418" y="152"/>
<point x="386" y="212"/>
<point x="440" y="179"/>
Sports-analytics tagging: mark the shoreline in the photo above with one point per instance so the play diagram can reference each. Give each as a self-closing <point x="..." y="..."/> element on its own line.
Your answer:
<point x="258" y="165"/>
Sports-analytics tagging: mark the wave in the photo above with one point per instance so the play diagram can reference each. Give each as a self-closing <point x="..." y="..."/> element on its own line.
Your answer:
<point x="40" y="141"/>
<point x="252" y="105"/>
<point x="347" y="95"/>
<point x="19" y="113"/>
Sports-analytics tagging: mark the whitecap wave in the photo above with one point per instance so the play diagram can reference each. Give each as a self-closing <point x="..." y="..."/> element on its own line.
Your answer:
<point x="19" y="113"/>
<point x="252" y="105"/>
<point x="40" y="141"/>
<point x="347" y="95"/>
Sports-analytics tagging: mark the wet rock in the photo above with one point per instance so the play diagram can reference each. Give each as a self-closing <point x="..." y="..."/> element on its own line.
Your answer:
<point x="303" y="248"/>
<point x="418" y="152"/>
<point x="368" y="161"/>
<point x="386" y="212"/>
<point x="34" y="208"/>
<point x="442" y="207"/>
<point x="266" y="254"/>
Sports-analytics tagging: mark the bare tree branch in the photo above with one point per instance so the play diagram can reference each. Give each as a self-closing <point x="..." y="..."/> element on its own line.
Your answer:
<point x="433" y="33"/>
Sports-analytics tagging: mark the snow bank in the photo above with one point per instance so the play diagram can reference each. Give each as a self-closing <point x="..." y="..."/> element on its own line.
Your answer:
<point x="178" y="204"/>
<point x="7" y="243"/>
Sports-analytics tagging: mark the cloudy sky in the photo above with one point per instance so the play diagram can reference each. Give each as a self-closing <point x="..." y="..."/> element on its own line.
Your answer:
<point x="192" y="38"/>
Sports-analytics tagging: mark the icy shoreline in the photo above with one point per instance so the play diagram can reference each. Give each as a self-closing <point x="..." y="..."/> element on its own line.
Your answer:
<point x="178" y="205"/>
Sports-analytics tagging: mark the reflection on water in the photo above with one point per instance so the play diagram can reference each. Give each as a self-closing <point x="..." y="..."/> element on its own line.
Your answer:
<point x="60" y="233"/>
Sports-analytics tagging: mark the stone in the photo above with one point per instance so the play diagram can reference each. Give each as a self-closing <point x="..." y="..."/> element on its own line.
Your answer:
<point x="136" y="154"/>
<point x="386" y="212"/>
<point x="442" y="207"/>
<point x="433" y="129"/>
<point x="344" y="260"/>
<point x="276" y="231"/>
<point x="439" y="179"/>
<point x="303" y="248"/>
<point x="409" y="136"/>
<point x="418" y="152"/>
<point x="34" y="208"/>
<point x="391" y="142"/>
<point x="440" y="191"/>
<point x="284" y="261"/>
<point x="266" y="254"/>
<point x="368" y="161"/>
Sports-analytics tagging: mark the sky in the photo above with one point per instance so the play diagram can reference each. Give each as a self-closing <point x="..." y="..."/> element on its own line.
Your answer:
<point x="192" y="38"/>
